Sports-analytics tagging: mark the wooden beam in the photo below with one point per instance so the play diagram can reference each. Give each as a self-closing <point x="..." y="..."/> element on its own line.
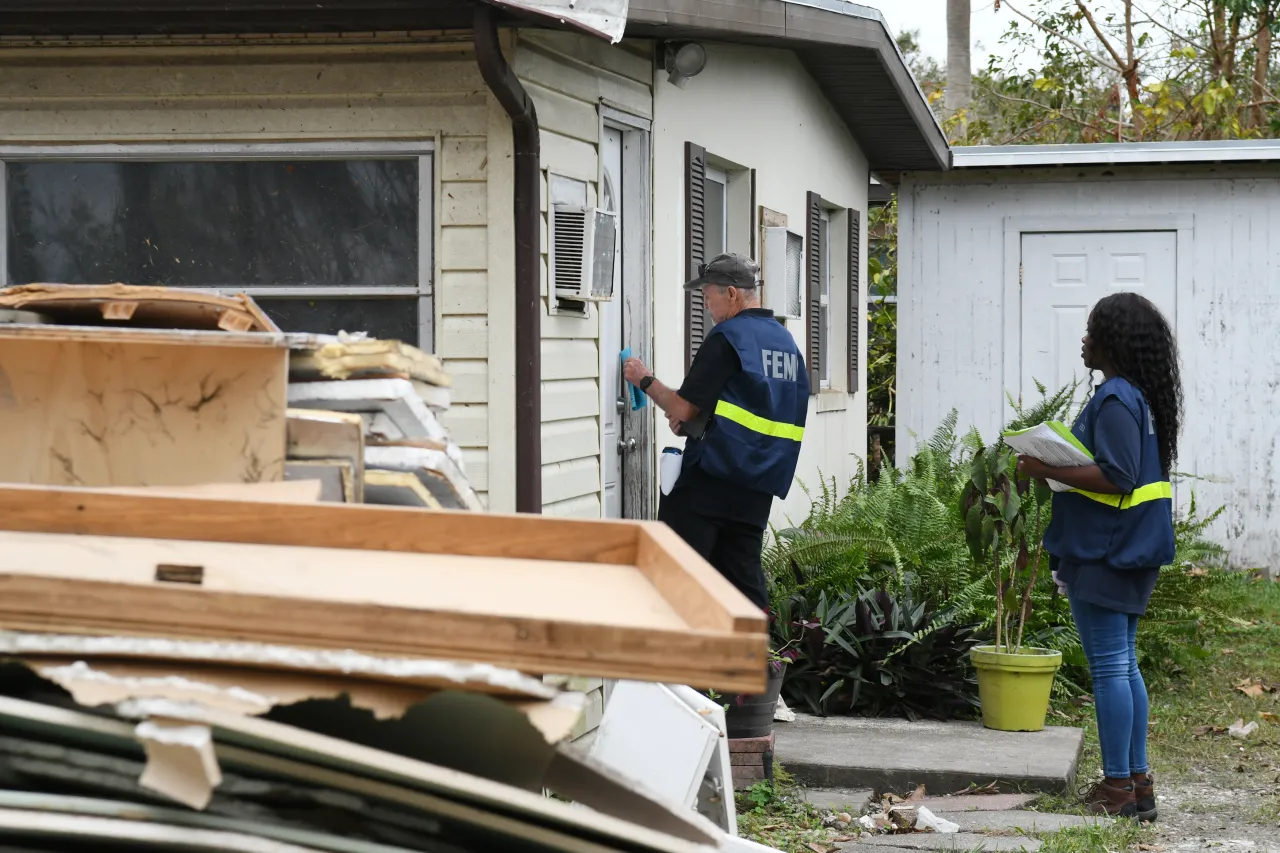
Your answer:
<point x="703" y="596"/>
<point x="617" y="599"/>
<point x="88" y="511"/>
<point x="578" y="619"/>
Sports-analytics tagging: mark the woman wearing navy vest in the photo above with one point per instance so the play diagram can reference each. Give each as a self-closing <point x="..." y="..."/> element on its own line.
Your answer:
<point x="1113" y="531"/>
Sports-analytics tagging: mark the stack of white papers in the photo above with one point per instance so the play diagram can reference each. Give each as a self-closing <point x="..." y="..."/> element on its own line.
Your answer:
<point x="1054" y="445"/>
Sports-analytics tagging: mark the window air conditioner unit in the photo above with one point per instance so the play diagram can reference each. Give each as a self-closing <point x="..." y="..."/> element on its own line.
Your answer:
<point x="783" y="260"/>
<point x="584" y="246"/>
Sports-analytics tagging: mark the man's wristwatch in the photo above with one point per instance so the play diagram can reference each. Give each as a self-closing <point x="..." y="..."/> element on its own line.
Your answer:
<point x="646" y="382"/>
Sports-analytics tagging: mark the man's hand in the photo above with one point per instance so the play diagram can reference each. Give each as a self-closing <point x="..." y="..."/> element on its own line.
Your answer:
<point x="676" y="408"/>
<point x="674" y="423"/>
<point x="633" y="370"/>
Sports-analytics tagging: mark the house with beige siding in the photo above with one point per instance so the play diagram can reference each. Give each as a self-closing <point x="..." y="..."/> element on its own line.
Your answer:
<point x="354" y="167"/>
<point x="398" y="168"/>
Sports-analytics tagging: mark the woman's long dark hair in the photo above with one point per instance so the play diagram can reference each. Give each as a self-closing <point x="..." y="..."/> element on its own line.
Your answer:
<point x="1136" y="338"/>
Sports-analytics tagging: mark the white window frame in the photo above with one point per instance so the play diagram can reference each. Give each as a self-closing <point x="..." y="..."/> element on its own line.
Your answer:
<point x="824" y="296"/>
<point x="423" y="151"/>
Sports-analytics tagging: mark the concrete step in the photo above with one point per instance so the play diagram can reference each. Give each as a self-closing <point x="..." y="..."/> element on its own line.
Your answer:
<point x="1019" y="821"/>
<point x="898" y="755"/>
<point x="851" y="800"/>
<point x="959" y="842"/>
<point x="979" y="803"/>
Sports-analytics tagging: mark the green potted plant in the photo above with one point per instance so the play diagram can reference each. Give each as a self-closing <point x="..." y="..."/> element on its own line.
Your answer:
<point x="1002" y="512"/>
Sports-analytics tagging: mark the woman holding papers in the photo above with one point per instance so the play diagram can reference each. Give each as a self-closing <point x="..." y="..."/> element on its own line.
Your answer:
<point x="1113" y="530"/>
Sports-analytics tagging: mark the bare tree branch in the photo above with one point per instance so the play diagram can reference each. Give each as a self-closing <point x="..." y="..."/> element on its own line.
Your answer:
<point x="1155" y="22"/>
<point x="1128" y="32"/>
<point x="1121" y="65"/>
<point x="1077" y="45"/>
<point x="1055" y="113"/>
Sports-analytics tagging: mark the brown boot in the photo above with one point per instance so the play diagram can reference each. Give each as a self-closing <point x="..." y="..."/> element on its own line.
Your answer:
<point x="1144" y="796"/>
<point x="1112" y="797"/>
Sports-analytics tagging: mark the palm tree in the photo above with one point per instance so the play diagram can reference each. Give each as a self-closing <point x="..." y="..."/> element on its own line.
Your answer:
<point x="959" y="69"/>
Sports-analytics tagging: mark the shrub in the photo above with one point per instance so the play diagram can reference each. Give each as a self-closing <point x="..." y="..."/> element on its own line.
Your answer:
<point x="902" y="539"/>
<point x="876" y="653"/>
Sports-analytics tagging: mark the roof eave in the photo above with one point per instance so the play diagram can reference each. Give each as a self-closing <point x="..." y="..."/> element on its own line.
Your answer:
<point x="1198" y="152"/>
<point x="825" y="34"/>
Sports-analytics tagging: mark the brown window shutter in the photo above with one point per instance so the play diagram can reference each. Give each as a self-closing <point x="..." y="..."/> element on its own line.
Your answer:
<point x="695" y="210"/>
<point x="813" y="342"/>
<point x="855" y="296"/>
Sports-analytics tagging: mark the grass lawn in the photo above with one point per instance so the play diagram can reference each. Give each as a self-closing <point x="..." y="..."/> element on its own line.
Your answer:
<point x="1212" y="786"/>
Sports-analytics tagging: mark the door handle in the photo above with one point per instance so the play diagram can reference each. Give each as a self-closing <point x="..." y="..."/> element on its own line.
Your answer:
<point x="626" y="445"/>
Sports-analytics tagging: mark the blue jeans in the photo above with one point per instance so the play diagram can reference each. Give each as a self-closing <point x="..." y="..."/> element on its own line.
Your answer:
<point x="1119" y="694"/>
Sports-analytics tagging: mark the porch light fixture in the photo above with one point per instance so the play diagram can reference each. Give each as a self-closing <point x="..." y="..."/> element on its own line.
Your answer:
<point x="684" y="60"/>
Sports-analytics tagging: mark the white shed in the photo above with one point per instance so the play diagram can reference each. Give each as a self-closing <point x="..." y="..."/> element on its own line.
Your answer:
<point x="1002" y="257"/>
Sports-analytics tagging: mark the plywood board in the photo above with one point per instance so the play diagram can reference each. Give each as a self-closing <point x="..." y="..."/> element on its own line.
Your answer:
<point x="146" y="306"/>
<point x="106" y="408"/>
<point x="270" y="492"/>
<point x="546" y="595"/>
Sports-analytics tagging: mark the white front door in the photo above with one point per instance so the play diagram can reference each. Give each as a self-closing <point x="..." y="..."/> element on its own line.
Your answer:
<point x="1064" y="274"/>
<point x="614" y="403"/>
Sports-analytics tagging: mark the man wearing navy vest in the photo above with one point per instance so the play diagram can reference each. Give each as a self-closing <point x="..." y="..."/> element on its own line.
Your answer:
<point x="742" y="408"/>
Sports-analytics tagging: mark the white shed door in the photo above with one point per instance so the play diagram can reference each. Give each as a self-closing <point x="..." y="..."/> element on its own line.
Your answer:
<point x="1063" y="275"/>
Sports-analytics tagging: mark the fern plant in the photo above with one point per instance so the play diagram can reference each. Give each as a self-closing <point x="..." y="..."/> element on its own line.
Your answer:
<point x="903" y="535"/>
<point x="883" y="534"/>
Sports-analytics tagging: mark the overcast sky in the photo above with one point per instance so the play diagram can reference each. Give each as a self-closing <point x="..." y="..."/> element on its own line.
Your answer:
<point x="930" y="18"/>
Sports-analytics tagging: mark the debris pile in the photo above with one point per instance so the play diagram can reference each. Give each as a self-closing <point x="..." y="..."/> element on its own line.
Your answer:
<point x="396" y="394"/>
<point x="207" y="642"/>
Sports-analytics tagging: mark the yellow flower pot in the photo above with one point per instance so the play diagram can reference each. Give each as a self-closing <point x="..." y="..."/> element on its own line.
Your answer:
<point x="1014" y="689"/>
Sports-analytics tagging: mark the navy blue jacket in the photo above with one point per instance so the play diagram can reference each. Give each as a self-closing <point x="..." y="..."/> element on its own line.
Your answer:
<point x="753" y="439"/>
<point x="1129" y="531"/>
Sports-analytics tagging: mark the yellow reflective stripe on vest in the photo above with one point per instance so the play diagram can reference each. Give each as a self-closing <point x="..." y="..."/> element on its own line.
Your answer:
<point x="1149" y="492"/>
<point x="755" y="423"/>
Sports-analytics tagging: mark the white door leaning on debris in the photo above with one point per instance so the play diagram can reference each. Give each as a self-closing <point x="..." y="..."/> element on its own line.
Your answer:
<point x="1065" y="274"/>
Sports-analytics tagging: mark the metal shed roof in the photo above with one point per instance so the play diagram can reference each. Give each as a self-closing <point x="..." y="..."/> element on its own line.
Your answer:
<point x="847" y="48"/>
<point x="1115" y="154"/>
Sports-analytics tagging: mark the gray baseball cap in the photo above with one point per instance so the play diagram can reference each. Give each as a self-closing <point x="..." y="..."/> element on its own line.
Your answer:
<point x="727" y="270"/>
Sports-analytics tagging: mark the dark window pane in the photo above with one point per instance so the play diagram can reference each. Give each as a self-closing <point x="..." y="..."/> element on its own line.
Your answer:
<point x="393" y="319"/>
<point x="267" y="222"/>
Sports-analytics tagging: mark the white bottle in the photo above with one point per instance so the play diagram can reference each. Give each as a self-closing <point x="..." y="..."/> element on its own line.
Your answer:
<point x="669" y="468"/>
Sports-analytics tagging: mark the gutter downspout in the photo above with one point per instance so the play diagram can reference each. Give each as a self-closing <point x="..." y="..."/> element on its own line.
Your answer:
<point x="506" y="87"/>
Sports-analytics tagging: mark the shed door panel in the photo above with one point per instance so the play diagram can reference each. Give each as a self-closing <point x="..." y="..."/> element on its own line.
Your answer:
<point x="1064" y="274"/>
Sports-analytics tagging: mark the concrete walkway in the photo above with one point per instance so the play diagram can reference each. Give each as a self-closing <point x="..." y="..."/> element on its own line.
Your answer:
<point x="898" y="755"/>
<point x="994" y="823"/>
